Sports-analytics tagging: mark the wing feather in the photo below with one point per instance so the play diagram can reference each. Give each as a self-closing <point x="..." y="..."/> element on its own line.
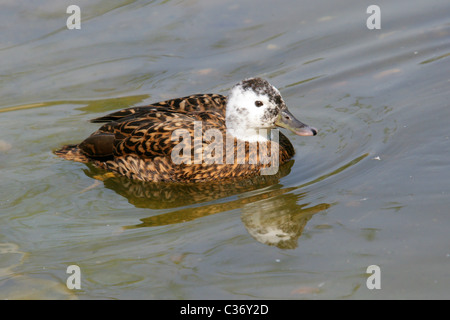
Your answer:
<point x="193" y="103"/>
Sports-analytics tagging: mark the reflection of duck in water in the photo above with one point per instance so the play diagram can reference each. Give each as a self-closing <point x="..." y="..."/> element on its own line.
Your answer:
<point x="272" y="214"/>
<point x="279" y="221"/>
<point x="138" y="142"/>
<point x="272" y="217"/>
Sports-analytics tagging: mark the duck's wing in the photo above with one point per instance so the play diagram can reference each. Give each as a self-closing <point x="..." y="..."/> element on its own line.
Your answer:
<point x="146" y="135"/>
<point x="193" y="103"/>
<point x="125" y="125"/>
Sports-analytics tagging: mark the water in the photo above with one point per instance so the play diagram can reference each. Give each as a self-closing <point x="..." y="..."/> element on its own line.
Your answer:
<point x="371" y="188"/>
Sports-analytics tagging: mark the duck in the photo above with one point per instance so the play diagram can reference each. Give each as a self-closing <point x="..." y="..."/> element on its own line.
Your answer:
<point x="194" y="139"/>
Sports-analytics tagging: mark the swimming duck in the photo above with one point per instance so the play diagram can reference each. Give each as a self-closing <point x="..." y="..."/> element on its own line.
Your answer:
<point x="221" y="137"/>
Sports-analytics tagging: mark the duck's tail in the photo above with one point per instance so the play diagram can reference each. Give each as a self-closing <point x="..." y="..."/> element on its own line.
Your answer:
<point x="72" y="152"/>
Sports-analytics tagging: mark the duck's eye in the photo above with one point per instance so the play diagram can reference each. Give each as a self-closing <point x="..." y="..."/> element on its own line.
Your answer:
<point x="258" y="103"/>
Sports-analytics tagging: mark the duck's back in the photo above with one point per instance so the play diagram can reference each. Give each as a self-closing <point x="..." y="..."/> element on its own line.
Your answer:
<point x="188" y="104"/>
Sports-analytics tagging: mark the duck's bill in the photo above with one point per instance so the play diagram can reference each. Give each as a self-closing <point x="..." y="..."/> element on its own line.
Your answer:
<point x="288" y="121"/>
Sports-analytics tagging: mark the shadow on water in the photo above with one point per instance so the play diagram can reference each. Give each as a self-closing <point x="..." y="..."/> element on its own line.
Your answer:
<point x="276" y="216"/>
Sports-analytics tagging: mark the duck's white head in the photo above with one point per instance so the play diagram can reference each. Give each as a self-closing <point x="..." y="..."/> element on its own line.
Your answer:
<point x="255" y="104"/>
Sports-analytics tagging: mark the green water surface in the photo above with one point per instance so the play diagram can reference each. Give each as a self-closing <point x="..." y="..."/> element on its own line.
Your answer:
<point x="372" y="188"/>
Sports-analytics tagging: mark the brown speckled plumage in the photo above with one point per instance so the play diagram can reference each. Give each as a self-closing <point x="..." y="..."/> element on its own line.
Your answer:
<point x="137" y="142"/>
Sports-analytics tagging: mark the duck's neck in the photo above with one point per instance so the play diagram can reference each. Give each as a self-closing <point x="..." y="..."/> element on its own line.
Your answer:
<point x="248" y="134"/>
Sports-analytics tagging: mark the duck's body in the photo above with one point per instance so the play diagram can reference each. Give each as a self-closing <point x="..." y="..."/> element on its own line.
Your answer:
<point x="146" y="143"/>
